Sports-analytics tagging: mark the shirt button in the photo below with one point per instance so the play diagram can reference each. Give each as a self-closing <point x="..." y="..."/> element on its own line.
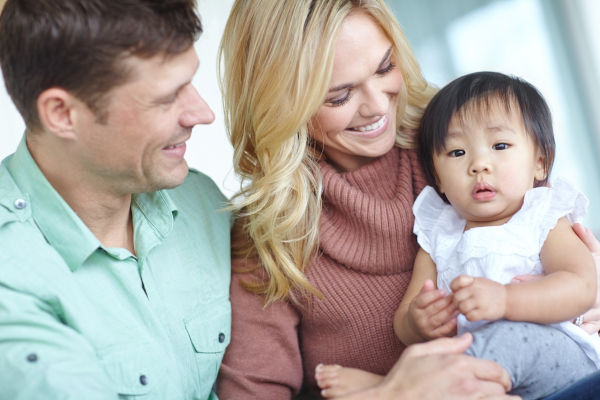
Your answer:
<point x="221" y="337"/>
<point x="32" y="357"/>
<point x="143" y="380"/>
<point x="20" y="204"/>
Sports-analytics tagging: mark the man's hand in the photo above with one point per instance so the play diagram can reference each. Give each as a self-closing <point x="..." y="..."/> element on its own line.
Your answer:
<point x="438" y="370"/>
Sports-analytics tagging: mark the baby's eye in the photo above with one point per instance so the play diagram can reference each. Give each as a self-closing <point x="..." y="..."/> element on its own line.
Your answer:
<point x="501" y="146"/>
<point x="456" y="153"/>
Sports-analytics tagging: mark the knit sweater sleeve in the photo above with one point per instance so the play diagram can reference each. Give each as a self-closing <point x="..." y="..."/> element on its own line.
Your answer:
<point x="263" y="360"/>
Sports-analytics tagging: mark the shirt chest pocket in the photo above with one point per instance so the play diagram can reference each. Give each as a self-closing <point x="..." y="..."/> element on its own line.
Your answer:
<point x="209" y="329"/>
<point x="131" y="372"/>
<point x="209" y="332"/>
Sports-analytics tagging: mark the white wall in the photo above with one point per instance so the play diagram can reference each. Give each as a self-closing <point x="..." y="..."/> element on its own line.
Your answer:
<point x="208" y="149"/>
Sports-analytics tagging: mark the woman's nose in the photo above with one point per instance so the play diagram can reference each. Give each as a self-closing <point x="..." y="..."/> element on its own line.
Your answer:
<point x="375" y="101"/>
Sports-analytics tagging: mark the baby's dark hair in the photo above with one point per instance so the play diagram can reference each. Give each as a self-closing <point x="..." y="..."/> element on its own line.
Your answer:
<point x="478" y="92"/>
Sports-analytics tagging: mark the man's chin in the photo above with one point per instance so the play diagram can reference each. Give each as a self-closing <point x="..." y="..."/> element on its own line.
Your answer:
<point x="168" y="179"/>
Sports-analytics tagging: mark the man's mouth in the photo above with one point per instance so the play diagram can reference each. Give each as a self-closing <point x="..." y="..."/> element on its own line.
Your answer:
<point x="174" y="146"/>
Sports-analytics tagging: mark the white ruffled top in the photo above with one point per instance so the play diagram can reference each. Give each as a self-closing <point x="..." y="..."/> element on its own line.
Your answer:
<point x="498" y="252"/>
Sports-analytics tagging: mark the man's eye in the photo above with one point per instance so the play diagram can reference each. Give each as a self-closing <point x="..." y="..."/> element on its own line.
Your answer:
<point x="456" y="153"/>
<point x="501" y="146"/>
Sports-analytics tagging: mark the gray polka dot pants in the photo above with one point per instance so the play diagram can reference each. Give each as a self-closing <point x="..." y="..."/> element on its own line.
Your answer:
<point x="540" y="359"/>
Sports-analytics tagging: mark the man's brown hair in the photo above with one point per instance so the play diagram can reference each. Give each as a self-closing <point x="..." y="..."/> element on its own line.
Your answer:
<point x="79" y="45"/>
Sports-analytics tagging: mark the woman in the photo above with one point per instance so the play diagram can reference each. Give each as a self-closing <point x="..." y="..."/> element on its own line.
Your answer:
<point x="322" y="99"/>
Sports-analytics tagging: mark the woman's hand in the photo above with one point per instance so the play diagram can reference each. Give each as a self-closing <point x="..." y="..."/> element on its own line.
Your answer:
<point x="591" y="319"/>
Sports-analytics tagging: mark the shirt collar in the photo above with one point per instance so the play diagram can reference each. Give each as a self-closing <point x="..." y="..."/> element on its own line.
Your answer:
<point x="61" y="226"/>
<point x="154" y="214"/>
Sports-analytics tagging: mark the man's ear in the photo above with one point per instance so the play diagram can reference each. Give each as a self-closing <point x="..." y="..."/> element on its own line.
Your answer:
<point x="56" y="108"/>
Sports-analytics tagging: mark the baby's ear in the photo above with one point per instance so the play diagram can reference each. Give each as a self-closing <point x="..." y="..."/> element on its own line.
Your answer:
<point x="438" y="183"/>
<point x="540" y="168"/>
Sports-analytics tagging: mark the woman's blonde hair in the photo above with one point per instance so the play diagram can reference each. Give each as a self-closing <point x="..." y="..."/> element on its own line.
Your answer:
<point x="277" y="57"/>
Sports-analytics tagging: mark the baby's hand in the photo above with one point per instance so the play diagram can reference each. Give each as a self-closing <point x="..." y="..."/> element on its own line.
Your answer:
<point x="432" y="313"/>
<point x="479" y="298"/>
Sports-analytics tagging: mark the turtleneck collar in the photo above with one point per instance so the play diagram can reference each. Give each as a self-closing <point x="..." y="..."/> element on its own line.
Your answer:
<point x="367" y="213"/>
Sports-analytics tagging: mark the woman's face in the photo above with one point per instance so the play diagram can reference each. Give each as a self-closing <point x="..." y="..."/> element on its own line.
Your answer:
<point x="357" y="121"/>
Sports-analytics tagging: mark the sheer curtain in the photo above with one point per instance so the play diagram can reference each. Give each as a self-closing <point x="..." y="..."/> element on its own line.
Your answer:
<point x="554" y="44"/>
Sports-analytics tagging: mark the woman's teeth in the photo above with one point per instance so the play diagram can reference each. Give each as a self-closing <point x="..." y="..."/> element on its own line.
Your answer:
<point x="371" y="127"/>
<point x="174" y="146"/>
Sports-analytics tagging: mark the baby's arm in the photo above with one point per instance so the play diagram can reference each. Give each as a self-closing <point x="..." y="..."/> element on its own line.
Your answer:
<point x="567" y="289"/>
<point x="425" y="312"/>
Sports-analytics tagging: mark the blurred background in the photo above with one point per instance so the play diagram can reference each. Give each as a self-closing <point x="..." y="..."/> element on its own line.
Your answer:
<point x="554" y="44"/>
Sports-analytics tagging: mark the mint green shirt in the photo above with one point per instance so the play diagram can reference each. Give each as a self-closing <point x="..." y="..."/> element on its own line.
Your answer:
<point x="82" y="321"/>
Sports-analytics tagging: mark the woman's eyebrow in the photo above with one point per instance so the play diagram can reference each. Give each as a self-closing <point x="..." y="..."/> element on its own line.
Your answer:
<point x="386" y="56"/>
<point x="343" y="86"/>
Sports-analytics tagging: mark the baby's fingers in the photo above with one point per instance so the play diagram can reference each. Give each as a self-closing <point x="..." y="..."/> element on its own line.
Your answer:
<point x="425" y="299"/>
<point x="446" y="329"/>
<point x="460" y="282"/>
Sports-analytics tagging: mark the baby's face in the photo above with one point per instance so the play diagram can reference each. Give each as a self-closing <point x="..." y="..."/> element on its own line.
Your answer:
<point x="488" y="164"/>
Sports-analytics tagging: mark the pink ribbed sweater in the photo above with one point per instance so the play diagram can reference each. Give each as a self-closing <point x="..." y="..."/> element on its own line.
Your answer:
<point x="367" y="252"/>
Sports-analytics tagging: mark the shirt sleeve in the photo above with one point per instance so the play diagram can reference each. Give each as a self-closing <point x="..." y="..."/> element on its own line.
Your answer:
<point x="42" y="358"/>
<point x="263" y="360"/>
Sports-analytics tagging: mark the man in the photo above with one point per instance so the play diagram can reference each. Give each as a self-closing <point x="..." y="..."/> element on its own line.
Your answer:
<point x="110" y="284"/>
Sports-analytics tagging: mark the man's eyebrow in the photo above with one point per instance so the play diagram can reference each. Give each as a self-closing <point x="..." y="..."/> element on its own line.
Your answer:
<point x="173" y="92"/>
<point x="343" y="86"/>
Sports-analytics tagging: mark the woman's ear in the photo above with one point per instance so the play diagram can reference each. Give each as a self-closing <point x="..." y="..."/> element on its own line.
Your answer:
<point x="55" y="109"/>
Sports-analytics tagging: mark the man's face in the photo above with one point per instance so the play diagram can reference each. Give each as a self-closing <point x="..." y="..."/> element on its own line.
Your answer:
<point x="139" y="143"/>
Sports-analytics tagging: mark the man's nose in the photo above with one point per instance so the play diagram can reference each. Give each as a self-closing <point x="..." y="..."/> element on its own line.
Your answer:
<point x="196" y="110"/>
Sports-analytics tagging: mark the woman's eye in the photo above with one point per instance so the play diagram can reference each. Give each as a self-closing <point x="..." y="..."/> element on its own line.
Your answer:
<point x="501" y="146"/>
<point x="456" y="153"/>
<point x="340" y="101"/>
<point x="386" y="69"/>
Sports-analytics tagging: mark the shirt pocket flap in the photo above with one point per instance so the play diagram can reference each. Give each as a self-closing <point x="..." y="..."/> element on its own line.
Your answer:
<point x="210" y="329"/>
<point x="131" y="371"/>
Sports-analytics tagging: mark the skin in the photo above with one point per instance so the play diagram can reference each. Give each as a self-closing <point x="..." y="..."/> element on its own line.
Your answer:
<point x="364" y="90"/>
<point x="591" y="319"/>
<point x="138" y="146"/>
<point x="456" y="376"/>
<point x="427" y="313"/>
<point x="486" y="167"/>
